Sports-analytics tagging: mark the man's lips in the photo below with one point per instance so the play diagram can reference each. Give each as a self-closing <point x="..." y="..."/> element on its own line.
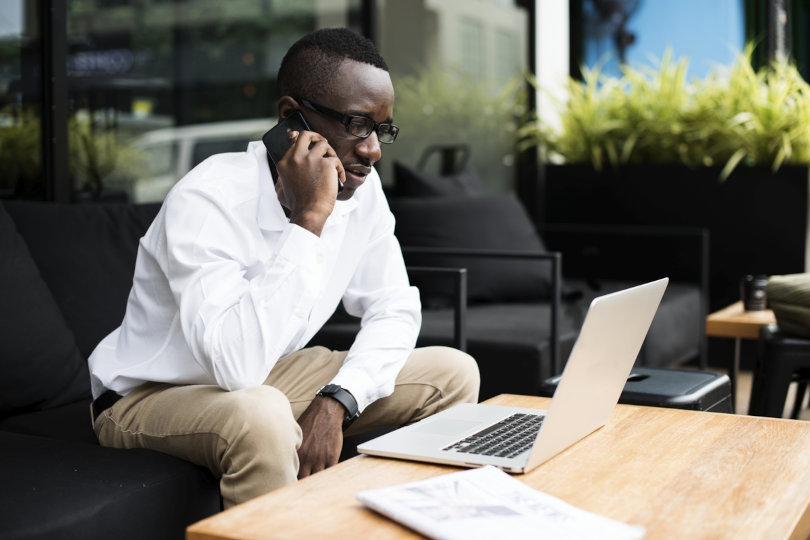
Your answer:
<point x="355" y="176"/>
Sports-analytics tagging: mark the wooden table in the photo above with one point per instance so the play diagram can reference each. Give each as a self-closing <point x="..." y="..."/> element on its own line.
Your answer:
<point x="681" y="474"/>
<point x="734" y="322"/>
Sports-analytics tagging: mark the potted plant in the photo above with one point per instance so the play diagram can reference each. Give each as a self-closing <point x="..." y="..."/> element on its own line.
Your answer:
<point x="102" y="165"/>
<point x="728" y="153"/>
<point x="99" y="161"/>
<point x="20" y="154"/>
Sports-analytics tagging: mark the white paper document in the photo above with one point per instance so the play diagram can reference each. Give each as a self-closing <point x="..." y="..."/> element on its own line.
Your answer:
<point x="488" y="503"/>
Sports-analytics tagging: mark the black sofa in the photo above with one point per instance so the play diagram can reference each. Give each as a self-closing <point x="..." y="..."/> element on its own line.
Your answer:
<point x="65" y="274"/>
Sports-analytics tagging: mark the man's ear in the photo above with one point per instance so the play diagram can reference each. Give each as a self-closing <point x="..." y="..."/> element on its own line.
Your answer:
<point x="286" y="105"/>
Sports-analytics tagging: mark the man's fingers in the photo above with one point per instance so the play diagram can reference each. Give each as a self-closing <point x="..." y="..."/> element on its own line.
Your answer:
<point x="319" y="146"/>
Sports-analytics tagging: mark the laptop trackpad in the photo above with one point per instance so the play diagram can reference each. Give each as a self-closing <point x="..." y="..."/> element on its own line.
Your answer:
<point x="445" y="426"/>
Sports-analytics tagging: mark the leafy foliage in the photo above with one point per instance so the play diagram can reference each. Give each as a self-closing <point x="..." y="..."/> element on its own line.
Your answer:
<point x="20" y="151"/>
<point x="96" y="156"/>
<point x="654" y="115"/>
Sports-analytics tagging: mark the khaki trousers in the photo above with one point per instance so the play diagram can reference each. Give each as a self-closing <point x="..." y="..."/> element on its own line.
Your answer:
<point x="249" y="438"/>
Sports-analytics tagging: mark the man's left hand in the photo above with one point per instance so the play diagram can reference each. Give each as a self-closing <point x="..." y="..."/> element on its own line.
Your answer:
<point x="322" y="427"/>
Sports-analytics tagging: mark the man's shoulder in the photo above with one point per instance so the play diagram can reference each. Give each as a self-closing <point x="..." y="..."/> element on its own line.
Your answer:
<point x="229" y="178"/>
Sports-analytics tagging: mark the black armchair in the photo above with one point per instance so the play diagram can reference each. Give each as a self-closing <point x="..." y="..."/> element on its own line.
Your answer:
<point x="528" y="292"/>
<point x="462" y="257"/>
<point x="596" y="256"/>
<point x="457" y="295"/>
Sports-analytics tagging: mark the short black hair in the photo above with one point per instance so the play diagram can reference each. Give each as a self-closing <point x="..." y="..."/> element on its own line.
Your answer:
<point x="311" y="64"/>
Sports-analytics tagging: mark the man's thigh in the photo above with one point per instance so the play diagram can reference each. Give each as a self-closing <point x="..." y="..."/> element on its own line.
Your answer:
<point x="431" y="379"/>
<point x="193" y="422"/>
<point x="301" y="374"/>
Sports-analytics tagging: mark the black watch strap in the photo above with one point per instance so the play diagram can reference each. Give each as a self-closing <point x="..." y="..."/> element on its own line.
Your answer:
<point x="343" y="397"/>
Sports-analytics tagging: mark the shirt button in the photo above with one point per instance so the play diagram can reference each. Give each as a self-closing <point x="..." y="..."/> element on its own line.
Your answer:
<point x="300" y="313"/>
<point x="319" y="258"/>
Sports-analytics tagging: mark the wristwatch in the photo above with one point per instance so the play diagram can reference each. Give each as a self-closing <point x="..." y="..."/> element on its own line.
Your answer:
<point x="343" y="397"/>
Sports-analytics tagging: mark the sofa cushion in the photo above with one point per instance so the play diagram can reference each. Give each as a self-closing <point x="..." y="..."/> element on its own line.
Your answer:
<point x="409" y="182"/>
<point x="69" y="422"/>
<point x="491" y="222"/>
<point x="86" y="254"/>
<point x="71" y="490"/>
<point x="40" y="363"/>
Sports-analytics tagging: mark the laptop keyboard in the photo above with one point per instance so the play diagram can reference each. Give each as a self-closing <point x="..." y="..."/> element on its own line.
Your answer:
<point x="508" y="438"/>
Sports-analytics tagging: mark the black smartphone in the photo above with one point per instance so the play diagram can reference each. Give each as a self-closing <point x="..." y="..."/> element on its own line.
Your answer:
<point x="277" y="142"/>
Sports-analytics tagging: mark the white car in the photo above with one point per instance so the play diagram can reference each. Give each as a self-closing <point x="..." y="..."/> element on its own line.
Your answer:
<point x="167" y="154"/>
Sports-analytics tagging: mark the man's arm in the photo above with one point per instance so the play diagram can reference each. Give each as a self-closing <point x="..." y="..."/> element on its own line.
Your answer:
<point x="390" y="312"/>
<point x="391" y="315"/>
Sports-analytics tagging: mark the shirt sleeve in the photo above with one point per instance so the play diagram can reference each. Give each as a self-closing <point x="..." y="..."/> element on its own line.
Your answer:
<point x="238" y="314"/>
<point x="390" y="313"/>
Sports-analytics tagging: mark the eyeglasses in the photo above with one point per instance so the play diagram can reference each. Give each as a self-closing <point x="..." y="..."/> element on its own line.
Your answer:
<point x="359" y="126"/>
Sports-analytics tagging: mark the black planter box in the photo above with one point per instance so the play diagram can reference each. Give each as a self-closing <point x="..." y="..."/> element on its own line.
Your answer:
<point x="757" y="218"/>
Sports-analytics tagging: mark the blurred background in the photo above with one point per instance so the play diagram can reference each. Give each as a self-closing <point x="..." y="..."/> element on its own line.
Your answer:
<point x="117" y="99"/>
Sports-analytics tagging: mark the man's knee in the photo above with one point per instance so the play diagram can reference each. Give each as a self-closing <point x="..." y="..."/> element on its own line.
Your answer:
<point x="466" y="376"/>
<point x="453" y="371"/>
<point x="260" y="418"/>
<point x="261" y="443"/>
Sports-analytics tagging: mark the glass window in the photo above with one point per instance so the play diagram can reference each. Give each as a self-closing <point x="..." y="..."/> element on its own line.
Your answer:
<point x="472" y="47"/>
<point x="20" y="101"/>
<point x="632" y="31"/>
<point x="456" y="67"/>
<point x="156" y="86"/>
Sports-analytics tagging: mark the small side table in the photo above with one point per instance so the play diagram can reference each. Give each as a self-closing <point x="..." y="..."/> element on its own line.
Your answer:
<point x="734" y="322"/>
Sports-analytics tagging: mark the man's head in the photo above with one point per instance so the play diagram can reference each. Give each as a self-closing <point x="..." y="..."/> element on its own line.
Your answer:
<point x="310" y="66"/>
<point x="334" y="72"/>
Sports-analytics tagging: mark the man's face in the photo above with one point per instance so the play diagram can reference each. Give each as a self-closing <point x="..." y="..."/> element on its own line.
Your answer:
<point x="360" y="90"/>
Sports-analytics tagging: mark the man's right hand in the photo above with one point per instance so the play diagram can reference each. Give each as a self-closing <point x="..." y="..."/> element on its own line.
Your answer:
<point x="308" y="176"/>
<point x="322" y="435"/>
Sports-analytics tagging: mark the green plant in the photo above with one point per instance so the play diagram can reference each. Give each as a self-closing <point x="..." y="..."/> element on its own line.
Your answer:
<point x="96" y="155"/>
<point x="439" y="106"/>
<point x="20" y="151"/>
<point x="654" y="115"/>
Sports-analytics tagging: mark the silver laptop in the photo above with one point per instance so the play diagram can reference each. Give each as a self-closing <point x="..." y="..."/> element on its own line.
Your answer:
<point x="517" y="439"/>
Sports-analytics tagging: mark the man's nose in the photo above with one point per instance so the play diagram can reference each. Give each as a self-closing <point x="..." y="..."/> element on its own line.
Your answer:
<point x="370" y="147"/>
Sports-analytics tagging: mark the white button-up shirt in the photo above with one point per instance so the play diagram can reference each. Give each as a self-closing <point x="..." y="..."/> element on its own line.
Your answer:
<point x="225" y="286"/>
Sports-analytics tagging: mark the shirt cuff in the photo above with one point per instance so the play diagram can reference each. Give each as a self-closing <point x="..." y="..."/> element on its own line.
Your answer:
<point x="359" y="384"/>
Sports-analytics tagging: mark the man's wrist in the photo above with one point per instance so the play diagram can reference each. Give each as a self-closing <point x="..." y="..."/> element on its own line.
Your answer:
<point x="345" y="398"/>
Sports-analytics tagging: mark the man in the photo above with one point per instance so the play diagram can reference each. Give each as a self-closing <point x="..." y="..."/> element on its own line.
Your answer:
<point x="240" y="269"/>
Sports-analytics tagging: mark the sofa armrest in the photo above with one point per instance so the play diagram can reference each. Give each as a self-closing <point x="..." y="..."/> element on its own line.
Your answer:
<point x="458" y="295"/>
<point x="594" y="252"/>
<point x="554" y="260"/>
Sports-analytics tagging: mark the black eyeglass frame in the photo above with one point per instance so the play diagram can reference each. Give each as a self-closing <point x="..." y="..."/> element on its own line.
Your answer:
<point x="346" y="120"/>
